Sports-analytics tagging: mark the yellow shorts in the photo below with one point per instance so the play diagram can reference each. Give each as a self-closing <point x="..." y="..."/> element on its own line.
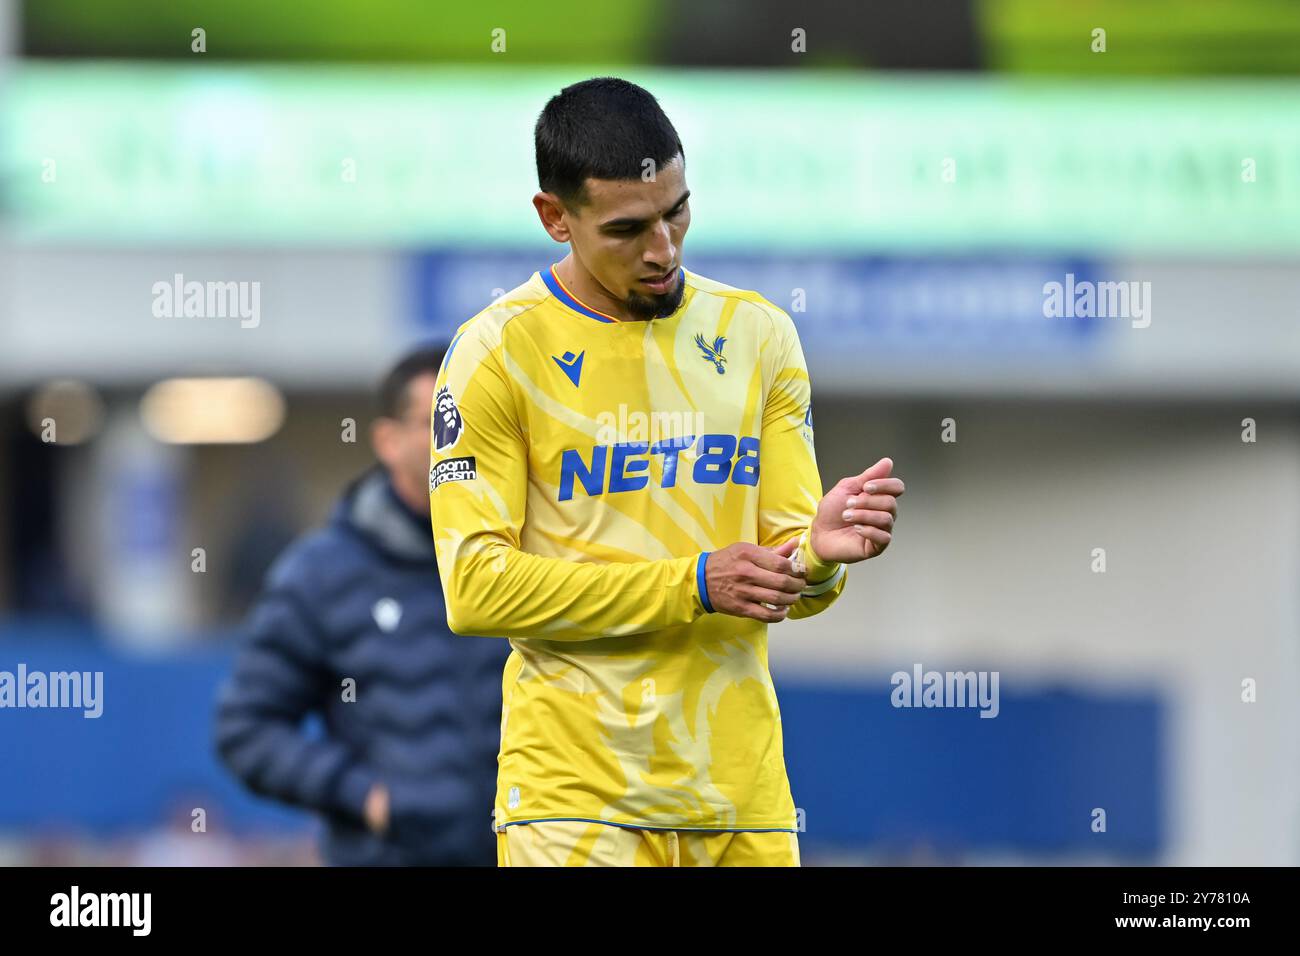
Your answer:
<point x="579" y="843"/>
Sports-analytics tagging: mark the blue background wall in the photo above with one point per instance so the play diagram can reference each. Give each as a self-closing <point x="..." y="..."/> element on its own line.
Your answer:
<point x="867" y="775"/>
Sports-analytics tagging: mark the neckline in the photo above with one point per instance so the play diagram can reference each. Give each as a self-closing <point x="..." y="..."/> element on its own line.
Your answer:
<point x="571" y="301"/>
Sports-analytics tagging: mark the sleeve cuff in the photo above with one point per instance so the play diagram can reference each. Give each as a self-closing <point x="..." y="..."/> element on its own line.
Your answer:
<point x="701" y="583"/>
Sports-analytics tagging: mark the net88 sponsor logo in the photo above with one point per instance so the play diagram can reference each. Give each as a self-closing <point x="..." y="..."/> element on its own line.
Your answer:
<point x="625" y="466"/>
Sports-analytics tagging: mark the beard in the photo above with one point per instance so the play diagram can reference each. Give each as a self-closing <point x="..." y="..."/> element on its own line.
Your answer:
<point x="656" y="306"/>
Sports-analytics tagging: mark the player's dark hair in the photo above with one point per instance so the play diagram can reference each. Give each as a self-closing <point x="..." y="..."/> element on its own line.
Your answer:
<point x="603" y="128"/>
<point x="392" y="397"/>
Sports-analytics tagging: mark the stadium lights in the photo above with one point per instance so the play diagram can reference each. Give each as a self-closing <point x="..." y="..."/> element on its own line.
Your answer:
<point x="206" y="411"/>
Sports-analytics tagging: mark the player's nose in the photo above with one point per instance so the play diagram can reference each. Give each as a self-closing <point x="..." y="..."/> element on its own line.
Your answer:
<point x="660" y="253"/>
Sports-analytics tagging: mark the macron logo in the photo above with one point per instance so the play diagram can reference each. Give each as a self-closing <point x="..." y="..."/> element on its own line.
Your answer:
<point x="571" y="364"/>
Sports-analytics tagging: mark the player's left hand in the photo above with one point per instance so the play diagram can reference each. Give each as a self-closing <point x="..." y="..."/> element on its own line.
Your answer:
<point x="855" y="519"/>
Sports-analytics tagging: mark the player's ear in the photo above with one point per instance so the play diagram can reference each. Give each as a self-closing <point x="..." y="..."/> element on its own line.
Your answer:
<point x="551" y="212"/>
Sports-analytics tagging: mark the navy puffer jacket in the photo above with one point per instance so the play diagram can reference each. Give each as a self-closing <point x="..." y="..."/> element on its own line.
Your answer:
<point x="359" y="600"/>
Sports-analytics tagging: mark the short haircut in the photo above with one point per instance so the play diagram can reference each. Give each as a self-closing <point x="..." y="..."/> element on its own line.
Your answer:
<point x="603" y="128"/>
<point x="392" y="397"/>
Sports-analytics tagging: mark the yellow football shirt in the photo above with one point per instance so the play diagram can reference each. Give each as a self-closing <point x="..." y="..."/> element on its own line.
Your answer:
<point x="582" y="470"/>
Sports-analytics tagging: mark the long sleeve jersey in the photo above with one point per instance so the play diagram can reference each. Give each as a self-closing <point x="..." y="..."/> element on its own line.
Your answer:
<point x="582" y="470"/>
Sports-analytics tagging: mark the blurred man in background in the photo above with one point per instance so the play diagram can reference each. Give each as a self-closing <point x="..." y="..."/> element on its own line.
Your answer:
<point x="351" y="626"/>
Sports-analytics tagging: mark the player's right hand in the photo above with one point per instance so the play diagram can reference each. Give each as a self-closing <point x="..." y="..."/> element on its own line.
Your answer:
<point x="743" y="577"/>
